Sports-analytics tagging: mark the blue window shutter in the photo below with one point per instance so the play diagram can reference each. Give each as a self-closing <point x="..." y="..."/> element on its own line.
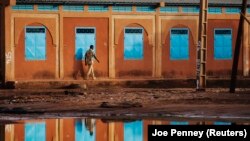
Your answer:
<point x="223" y="44"/>
<point x="79" y="46"/>
<point x="133" y="131"/>
<point x="35" y="43"/>
<point x="179" y="44"/>
<point x="228" y="46"/>
<point x="133" y="44"/>
<point x="128" y="47"/>
<point x="40" y="46"/>
<point x="74" y="8"/>
<point x="218" y="42"/>
<point x="30" y="46"/>
<point x="184" y="49"/>
<point x="122" y="8"/>
<point x="169" y="9"/>
<point x="174" y="48"/>
<point x="138" y="43"/>
<point x="84" y="39"/>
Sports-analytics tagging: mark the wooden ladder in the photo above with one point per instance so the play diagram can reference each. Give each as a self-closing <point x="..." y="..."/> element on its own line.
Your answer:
<point x="202" y="47"/>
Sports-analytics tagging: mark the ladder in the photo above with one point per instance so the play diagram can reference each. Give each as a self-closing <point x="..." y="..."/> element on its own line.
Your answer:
<point x="202" y="47"/>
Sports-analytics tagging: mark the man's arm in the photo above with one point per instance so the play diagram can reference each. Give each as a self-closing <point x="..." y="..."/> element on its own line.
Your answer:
<point x="85" y="58"/>
<point x="96" y="59"/>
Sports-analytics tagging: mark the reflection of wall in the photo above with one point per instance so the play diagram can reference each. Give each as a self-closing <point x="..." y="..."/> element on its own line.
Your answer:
<point x="50" y="124"/>
<point x="133" y="131"/>
<point x="65" y="129"/>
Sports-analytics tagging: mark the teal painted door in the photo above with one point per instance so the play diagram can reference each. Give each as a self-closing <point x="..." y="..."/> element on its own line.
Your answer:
<point x="179" y="44"/>
<point x="35" y="43"/>
<point x="133" y="44"/>
<point x="35" y="132"/>
<point x="133" y="131"/>
<point x="223" y="44"/>
<point x="84" y="38"/>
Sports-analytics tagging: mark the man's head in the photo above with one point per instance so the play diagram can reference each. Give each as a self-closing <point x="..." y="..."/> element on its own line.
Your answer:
<point x="91" y="47"/>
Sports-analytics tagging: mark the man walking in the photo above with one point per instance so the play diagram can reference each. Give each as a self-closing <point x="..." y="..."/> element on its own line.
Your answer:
<point x="89" y="55"/>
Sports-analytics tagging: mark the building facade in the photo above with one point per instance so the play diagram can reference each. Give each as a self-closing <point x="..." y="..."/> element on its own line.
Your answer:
<point x="147" y="39"/>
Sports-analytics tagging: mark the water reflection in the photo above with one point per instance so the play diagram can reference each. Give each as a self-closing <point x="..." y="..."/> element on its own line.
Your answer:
<point x="87" y="129"/>
<point x="35" y="131"/>
<point x="133" y="131"/>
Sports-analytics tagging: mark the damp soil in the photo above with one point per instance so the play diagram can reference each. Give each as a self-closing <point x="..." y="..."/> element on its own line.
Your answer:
<point x="120" y="103"/>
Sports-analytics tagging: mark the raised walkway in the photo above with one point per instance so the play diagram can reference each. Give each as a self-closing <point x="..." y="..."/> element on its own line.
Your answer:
<point x="129" y="83"/>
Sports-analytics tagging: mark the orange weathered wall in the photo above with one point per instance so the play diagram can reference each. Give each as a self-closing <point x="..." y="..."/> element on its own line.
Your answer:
<point x="221" y="68"/>
<point x="131" y="68"/>
<point x="71" y="65"/>
<point x="178" y="68"/>
<point x="38" y="69"/>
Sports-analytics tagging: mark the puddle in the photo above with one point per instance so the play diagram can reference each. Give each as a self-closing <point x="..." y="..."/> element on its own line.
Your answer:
<point x="89" y="129"/>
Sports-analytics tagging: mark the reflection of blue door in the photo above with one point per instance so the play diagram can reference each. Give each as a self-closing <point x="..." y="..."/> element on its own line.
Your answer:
<point x="179" y="44"/>
<point x="85" y="37"/>
<point x="82" y="133"/>
<point x="179" y="123"/>
<point x="223" y="44"/>
<point x="133" y="43"/>
<point x="35" y="132"/>
<point x="133" y="131"/>
<point x="35" y="43"/>
<point x="222" y="123"/>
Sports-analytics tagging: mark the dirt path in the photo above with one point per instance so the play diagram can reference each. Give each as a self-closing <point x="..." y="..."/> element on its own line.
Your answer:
<point x="119" y="102"/>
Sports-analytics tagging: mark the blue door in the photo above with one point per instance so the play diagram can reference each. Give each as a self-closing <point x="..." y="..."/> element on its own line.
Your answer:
<point x="35" y="132"/>
<point x="223" y="44"/>
<point x="133" y="44"/>
<point x="179" y="44"/>
<point x="133" y="131"/>
<point x="35" y="43"/>
<point x="85" y="36"/>
<point x="82" y="131"/>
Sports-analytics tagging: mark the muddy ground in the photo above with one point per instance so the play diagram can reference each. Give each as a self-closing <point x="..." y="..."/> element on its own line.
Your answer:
<point x="117" y="102"/>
